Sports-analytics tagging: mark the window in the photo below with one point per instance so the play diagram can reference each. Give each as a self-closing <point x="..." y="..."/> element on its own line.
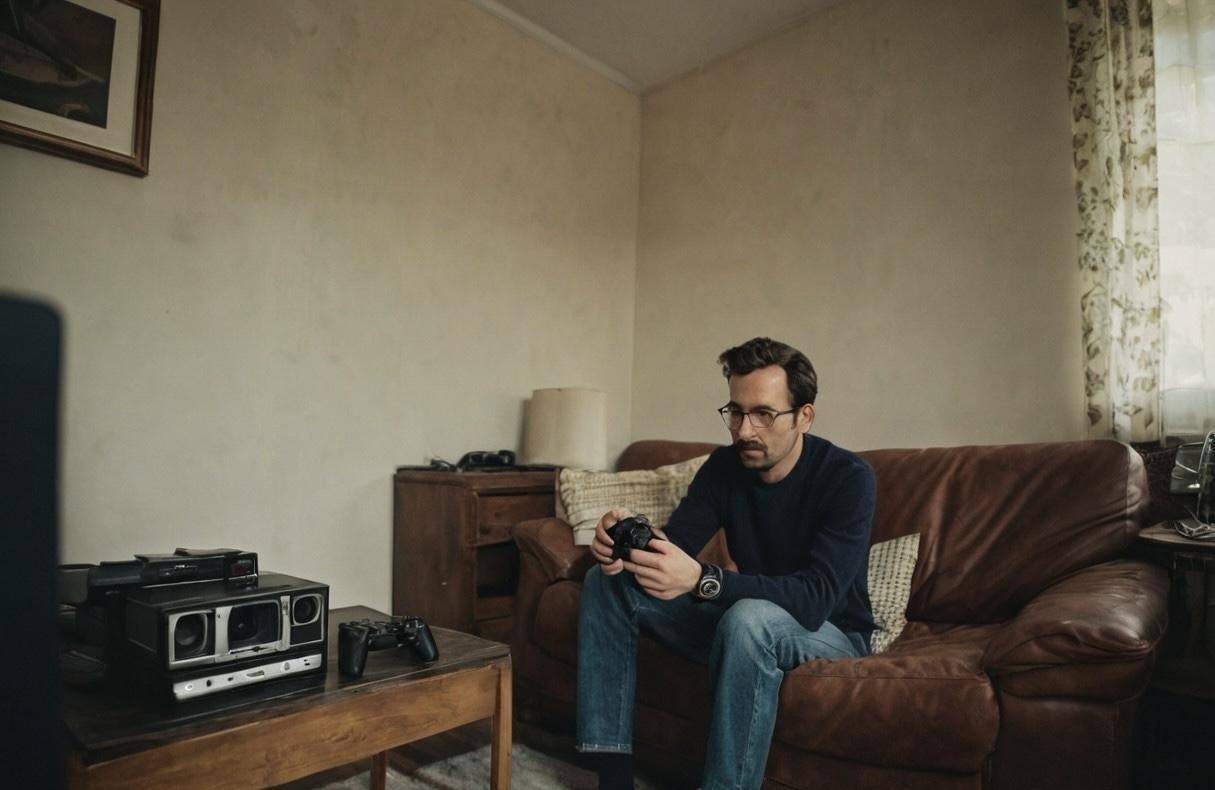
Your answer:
<point x="1185" y="128"/>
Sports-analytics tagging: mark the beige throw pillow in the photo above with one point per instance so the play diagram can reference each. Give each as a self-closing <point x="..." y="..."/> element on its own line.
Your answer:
<point x="891" y="566"/>
<point x="585" y="496"/>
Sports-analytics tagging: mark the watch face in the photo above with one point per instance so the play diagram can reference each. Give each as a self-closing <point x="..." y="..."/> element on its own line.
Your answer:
<point x="709" y="588"/>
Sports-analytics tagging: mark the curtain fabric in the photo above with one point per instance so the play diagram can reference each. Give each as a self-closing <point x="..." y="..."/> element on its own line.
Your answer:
<point x="1185" y="120"/>
<point x="1112" y="88"/>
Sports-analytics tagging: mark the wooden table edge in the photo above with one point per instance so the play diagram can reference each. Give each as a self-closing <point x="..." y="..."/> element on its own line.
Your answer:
<point x="470" y="694"/>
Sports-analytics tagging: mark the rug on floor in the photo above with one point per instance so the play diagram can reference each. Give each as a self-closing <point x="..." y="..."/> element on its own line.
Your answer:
<point x="530" y="770"/>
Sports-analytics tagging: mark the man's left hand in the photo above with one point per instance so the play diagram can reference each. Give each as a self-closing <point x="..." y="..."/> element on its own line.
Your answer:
<point x="666" y="572"/>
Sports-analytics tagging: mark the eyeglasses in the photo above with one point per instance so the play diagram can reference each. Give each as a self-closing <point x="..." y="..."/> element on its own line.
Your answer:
<point x="763" y="418"/>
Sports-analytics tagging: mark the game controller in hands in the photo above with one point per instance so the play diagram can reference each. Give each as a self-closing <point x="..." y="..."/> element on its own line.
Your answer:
<point x="634" y="532"/>
<point x="357" y="637"/>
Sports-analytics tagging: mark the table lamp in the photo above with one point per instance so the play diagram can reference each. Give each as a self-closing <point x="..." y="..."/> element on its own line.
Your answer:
<point x="566" y="426"/>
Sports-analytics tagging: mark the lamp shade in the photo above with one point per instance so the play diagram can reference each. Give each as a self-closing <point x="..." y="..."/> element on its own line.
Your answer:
<point x="566" y="426"/>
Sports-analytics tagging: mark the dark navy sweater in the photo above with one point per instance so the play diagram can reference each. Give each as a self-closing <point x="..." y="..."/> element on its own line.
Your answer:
<point x="801" y="543"/>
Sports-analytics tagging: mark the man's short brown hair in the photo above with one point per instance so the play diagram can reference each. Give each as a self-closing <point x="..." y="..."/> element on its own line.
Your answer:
<point x="760" y="352"/>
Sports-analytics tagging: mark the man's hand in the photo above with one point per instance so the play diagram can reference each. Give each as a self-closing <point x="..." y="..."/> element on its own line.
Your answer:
<point x="666" y="571"/>
<point x="601" y="546"/>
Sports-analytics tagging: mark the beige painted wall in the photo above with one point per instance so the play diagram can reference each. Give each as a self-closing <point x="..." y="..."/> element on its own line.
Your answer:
<point x="888" y="188"/>
<point x="370" y="230"/>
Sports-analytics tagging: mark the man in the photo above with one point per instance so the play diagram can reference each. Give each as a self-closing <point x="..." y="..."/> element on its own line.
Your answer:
<point x="797" y="512"/>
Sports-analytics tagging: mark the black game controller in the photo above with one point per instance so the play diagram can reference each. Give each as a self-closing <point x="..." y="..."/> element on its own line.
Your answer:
<point x="357" y="637"/>
<point x="634" y="532"/>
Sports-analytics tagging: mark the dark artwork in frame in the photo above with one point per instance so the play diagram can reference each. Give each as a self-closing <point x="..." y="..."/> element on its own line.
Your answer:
<point x="55" y="56"/>
<point x="76" y="78"/>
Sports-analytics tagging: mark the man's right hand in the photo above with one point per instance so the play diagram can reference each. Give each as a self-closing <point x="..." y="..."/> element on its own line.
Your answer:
<point x="601" y="546"/>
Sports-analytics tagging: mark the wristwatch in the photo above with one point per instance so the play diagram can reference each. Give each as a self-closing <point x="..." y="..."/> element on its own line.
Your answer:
<point x="709" y="586"/>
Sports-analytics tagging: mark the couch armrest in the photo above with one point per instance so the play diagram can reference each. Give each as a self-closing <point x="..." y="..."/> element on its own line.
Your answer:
<point x="550" y="541"/>
<point x="548" y="559"/>
<point x="1113" y="614"/>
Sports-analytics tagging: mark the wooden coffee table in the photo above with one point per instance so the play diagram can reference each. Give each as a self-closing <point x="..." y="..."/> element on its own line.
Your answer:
<point x="292" y="728"/>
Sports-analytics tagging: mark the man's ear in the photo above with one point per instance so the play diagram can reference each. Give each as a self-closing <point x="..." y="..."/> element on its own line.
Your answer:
<point x="805" y="416"/>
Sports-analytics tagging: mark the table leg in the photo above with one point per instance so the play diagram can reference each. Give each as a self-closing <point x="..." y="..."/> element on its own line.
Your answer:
<point x="499" y="757"/>
<point x="379" y="771"/>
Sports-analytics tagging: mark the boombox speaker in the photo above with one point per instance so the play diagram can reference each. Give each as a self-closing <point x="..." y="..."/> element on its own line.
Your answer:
<point x="206" y="637"/>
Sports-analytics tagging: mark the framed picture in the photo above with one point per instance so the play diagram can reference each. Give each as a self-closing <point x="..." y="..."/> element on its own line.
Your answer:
<point x="76" y="78"/>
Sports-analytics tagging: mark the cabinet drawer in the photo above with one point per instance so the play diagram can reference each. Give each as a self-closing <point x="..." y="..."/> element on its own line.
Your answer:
<point x="497" y="513"/>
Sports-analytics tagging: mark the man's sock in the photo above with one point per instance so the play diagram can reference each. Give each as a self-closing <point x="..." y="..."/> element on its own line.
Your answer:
<point x="615" y="770"/>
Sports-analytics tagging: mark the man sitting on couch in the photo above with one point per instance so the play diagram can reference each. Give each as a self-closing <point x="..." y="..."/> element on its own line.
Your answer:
<point x="797" y="512"/>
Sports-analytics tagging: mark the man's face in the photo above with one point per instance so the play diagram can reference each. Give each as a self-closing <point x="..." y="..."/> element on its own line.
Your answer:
<point x="767" y="389"/>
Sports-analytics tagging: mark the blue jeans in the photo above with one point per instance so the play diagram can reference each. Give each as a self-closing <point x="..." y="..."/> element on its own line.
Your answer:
<point x="748" y="647"/>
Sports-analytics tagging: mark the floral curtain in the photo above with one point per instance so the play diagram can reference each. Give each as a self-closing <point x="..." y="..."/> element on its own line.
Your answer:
<point x="1112" y="88"/>
<point x="1185" y="121"/>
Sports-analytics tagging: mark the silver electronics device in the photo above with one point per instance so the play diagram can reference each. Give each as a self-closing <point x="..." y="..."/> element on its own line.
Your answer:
<point x="206" y="637"/>
<point x="1192" y="483"/>
<point x="244" y="676"/>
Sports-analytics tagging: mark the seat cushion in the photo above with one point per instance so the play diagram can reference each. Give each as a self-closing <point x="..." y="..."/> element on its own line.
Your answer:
<point x="924" y="704"/>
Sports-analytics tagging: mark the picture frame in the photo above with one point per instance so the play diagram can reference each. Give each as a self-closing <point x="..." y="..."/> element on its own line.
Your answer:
<point x="76" y="79"/>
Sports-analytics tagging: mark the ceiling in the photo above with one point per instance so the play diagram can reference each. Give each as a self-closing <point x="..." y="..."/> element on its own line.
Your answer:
<point x="644" y="43"/>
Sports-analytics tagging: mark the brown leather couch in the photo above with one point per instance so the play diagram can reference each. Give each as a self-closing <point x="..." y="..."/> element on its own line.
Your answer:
<point x="1029" y="643"/>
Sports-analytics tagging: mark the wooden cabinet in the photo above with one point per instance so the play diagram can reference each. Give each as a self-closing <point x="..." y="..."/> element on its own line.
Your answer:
<point x="453" y="561"/>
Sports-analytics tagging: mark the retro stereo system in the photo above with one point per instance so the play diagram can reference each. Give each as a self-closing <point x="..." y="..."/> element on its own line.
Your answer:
<point x="199" y="622"/>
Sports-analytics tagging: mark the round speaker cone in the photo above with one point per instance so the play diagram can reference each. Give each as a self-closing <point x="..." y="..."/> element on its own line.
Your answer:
<point x="304" y="610"/>
<point x="190" y="635"/>
<point x="242" y="623"/>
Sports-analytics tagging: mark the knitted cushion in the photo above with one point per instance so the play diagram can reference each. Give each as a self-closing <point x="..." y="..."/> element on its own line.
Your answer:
<point x="891" y="566"/>
<point x="585" y="495"/>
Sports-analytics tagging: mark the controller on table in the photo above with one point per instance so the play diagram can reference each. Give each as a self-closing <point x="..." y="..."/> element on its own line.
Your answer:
<point x="359" y="637"/>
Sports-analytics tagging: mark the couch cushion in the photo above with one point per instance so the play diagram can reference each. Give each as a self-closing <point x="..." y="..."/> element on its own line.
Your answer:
<point x="586" y="495"/>
<point x="999" y="524"/>
<point x="924" y="704"/>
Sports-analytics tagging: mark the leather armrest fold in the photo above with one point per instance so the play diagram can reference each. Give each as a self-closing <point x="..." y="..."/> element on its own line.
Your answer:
<point x="551" y="542"/>
<point x="1115" y="612"/>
